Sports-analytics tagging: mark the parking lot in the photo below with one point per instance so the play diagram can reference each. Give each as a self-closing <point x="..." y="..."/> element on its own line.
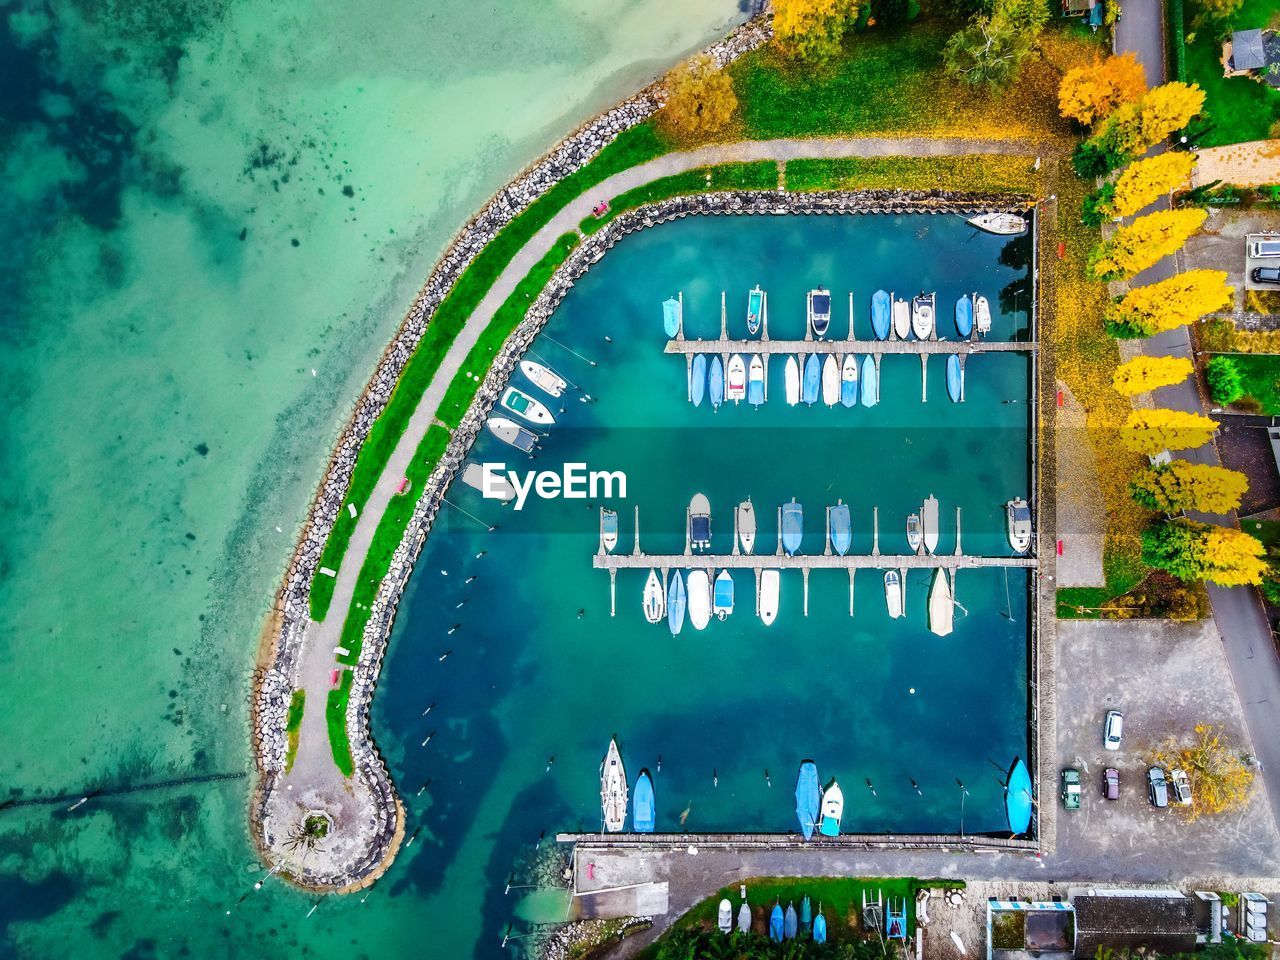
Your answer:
<point x="1165" y="678"/>
<point x="1222" y="246"/>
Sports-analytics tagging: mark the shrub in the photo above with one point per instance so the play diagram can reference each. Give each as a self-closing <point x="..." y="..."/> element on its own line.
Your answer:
<point x="1225" y="383"/>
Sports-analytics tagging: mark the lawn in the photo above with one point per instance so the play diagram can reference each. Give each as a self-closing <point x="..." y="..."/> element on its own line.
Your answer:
<point x="996" y="174"/>
<point x="759" y="175"/>
<point x="335" y="716"/>
<point x="1239" y="108"/>
<point x="1260" y="374"/>
<point x="293" y="726"/>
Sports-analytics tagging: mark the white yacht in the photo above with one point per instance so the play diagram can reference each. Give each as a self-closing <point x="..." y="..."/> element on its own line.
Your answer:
<point x="922" y="316"/>
<point x="698" y="591"/>
<point x="929" y="523"/>
<point x="747" y="526"/>
<point x="982" y="315"/>
<point x="544" y="378"/>
<point x="735" y="385"/>
<point x="523" y="405"/>
<point x="1018" y="522"/>
<point x="768" y="600"/>
<point x="830" y="381"/>
<point x="894" y="592"/>
<point x="942" y="607"/>
<point x="901" y="319"/>
<point x="914" y="533"/>
<point x="655" y="598"/>
<point x="1001" y="224"/>
<point x="613" y="790"/>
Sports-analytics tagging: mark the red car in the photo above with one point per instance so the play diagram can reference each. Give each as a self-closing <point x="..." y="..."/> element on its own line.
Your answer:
<point x="1111" y="784"/>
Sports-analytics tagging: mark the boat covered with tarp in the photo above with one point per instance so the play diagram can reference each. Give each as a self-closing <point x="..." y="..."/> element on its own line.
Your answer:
<point x="676" y="604"/>
<point x="964" y="316"/>
<point x="671" y="316"/>
<point x="644" y="810"/>
<point x="812" y="379"/>
<point x="869" y="391"/>
<point x="775" y="923"/>
<point x="1017" y="798"/>
<point x="881" y="323"/>
<point x="955" y="378"/>
<point x="792" y="526"/>
<point x="841" y="528"/>
<point x="808" y="798"/>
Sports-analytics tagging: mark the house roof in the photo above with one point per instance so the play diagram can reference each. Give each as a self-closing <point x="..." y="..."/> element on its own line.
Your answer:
<point x="1247" y="50"/>
<point x="1164" y="924"/>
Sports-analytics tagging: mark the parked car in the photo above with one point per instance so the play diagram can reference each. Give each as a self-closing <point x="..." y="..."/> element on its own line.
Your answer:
<point x="1157" y="787"/>
<point x="1181" y="786"/>
<point x="1071" y="788"/>
<point x="1113" y="729"/>
<point x="1111" y="784"/>
<point x="1265" y="274"/>
<point x="1266" y="247"/>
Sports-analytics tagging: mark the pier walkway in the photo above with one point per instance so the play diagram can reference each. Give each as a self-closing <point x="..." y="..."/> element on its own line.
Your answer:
<point x="800" y="561"/>
<point x="771" y="347"/>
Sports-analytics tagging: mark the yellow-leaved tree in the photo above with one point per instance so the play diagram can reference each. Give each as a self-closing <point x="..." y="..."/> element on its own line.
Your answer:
<point x="1147" y="180"/>
<point x="1134" y="247"/>
<point x="700" y="98"/>
<point x="1172" y="302"/>
<point x="1089" y="94"/>
<point x="1220" y="779"/>
<point x="1148" y="373"/>
<point x="1150" y="431"/>
<point x="1190" y="550"/>
<point x="812" y="29"/>
<point x="1181" y="486"/>
<point x="1135" y="127"/>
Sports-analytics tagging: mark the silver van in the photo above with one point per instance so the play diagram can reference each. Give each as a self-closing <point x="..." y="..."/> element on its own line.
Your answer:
<point x="1266" y="247"/>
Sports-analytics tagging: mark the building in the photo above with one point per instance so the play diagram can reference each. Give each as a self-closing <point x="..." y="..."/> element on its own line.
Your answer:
<point x="1163" y="923"/>
<point x="1253" y="53"/>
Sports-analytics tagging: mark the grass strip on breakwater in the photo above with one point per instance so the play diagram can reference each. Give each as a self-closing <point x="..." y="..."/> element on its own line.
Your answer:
<point x="293" y="726"/>
<point x="757" y="175"/>
<point x="335" y="717"/>
<point x="631" y="147"/>
<point x="994" y="172"/>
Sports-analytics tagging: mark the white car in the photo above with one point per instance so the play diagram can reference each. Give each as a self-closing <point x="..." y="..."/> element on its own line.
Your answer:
<point x="1181" y="784"/>
<point x="1113" y="730"/>
<point x="1266" y="246"/>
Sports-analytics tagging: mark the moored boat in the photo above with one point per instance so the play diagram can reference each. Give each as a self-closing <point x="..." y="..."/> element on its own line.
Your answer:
<point x="901" y="319"/>
<point x="808" y="797"/>
<point x="914" y="532"/>
<point x="812" y="379"/>
<point x="929" y="523"/>
<point x="755" y="381"/>
<point x="775" y="923"/>
<point x="523" y="405"/>
<point x="699" y="522"/>
<point x="792" y="526"/>
<point x="770" y="587"/>
<point x="792" y="379"/>
<point x="613" y="790"/>
<point x="893" y="593"/>
<point x="820" y="927"/>
<point x="747" y="525"/>
<point x="830" y="381"/>
<point x="791" y="923"/>
<point x="609" y="529"/>
<point x="955" y="378"/>
<point x="819" y="306"/>
<point x="543" y="377"/>
<point x="644" y="809"/>
<point x="676" y="603"/>
<point x="744" y="918"/>
<point x="941" y="606"/>
<point x="473" y="476"/>
<point x="880" y="320"/>
<point x="869" y="383"/>
<point x="735" y="383"/>
<point x="849" y="380"/>
<point x="964" y="316"/>
<point x="841" y="528"/>
<point x="832" y="810"/>
<point x="655" y="600"/>
<point x="806" y="913"/>
<point x="755" y="310"/>
<point x="1018" y="797"/>
<point x="698" y="379"/>
<point x="715" y="384"/>
<point x="725" y="919"/>
<point x="510" y="432"/>
<point x="671" y="316"/>
<point x="922" y="316"/>
<point x="1018" y="524"/>
<point x="699" y="599"/>
<point x="1001" y="224"/>
<point x="982" y="315"/>
<point x="722" y="599"/>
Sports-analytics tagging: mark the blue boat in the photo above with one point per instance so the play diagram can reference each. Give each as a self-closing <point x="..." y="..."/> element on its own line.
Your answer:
<point x="812" y="379"/>
<point x="775" y="923"/>
<point x="955" y="378"/>
<point x="806" y="913"/>
<point x="849" y="380"/>
<point x="792" y="526"/>
<point x="676" y="604"/>
<point x="870" y="388"/>
<point x="880" y="314"/>
<point x="671" y="316"/>
<point x="964" y="316"/>
<point x="644" y="812"/>
<point x="808" y="798"/>
<point x="820" y="927"/>
<point x="698" y="379"/>
<point x="1017" y="798"/>
<point x="755" y="381"/>
<point x="841" y="531"/>
<point x="791" y="925"/>
<point x="722" y="595"/>
<point x="717" y="383"/>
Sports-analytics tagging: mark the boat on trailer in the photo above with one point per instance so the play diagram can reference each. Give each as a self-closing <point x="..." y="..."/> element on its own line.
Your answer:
<point x="901" y="319"/>
<point x="755" y="309"/>
<point x="613" y="790"/>
<point x="609" y="529"/>
<point x="982" y="315"/>
<point x="644" y="810"/>
<point x="808" y="798"/>
<point x="880" y="320"/>
<point x="722" y="597"/>
<point x="929" y="523"/>
<point x="869" y="388"/>
<point x="792" y="526"/>
<point x="893" y="593"/>
<point x="792" y="379"/>
<point x="1001" y="224"/>
<point x="841" y="529"/>
<point x="849" y="380"/>
<point x="676" y="604"/>
<point x="830" y="381"/>
<point x="655" y="601"/>
<point x="510" y="432"/>
<point x="942" y="607"/>
<point x="964" y="316"/>
<point x="955" y="378"/>
<point x="747" y="525"/>
<point x="671" y="316"/>
<point x="715" y="387"/>
<point x="1018" y="524"/>
<point x="699" y="599"/>
<point x="543" y="377"/>
<point x="770" y="588"/>
<point x="819" y="306"/>
<point x="523" y="405"/>
<point x="922" y="316"/>
<point x="699" y="522"/>
<point x="755" y="381"/>
<point x="832" y="810"/>
<point x="812" y="379"/>
<point x="698" y="379"/>
<point x="735" y="384"/>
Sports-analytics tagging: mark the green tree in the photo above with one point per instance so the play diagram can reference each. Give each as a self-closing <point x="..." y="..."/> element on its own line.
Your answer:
<point x="1202" y="551"/>
<point x="992" y="48"/>
<point x="1225" y="383"/>
<point x="890" y="12"/>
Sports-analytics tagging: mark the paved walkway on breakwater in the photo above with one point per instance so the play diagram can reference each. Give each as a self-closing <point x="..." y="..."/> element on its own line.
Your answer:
<point x="314" y="768"/>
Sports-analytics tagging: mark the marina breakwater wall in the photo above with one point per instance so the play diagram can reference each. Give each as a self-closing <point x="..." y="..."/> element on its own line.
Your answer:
<point x="369" y="765"/>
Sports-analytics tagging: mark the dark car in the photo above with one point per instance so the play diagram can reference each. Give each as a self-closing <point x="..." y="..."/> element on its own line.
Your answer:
<point x="1157" y="787"/>
<point x="1111" y="784"/>
<point x="1265" y="275"/>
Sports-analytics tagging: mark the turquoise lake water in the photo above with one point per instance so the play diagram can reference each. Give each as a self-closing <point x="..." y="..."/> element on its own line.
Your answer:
<point x="539" y="668"/>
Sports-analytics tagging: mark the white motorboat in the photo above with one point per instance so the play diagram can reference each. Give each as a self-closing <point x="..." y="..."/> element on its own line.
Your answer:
<point x="832" y="810"/>
<point x="922" y="316"/>
<point x="699" y="522"/>
<point x="819" y="308"/>
<point x="725" y="920"/>
<point x="1001" y="224"/>
<point x="1018" y="524"/>
<point x="849" y="380"/>
<point x="915" y="533"/>
<point x="830" y="381"/>
<point x="523" y="405"/>
<point x="901" y="319"/>
<point x="893" y="592"/>
<point x="982" y="315"/>
<point x="735" y="384"/>
<point x="942" y="608"/>
<point x="929" y="523"/>
<point x="508" y="431"/>
<point x="544" y="378"/>
<point x="613" y="790"/>
<point x="698" y="590"/>
<point x="655" y="598"/>
<point x="473" y="476"/>
<point x="755" y="381"/>
<point x="608" y="529"/>
<point x="747" y="525"/>
<point x="792" y="378"/>
<point x="770" y="584"/>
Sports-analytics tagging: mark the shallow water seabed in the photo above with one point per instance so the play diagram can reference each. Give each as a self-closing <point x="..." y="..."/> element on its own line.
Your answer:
<point x="537" y="668"/>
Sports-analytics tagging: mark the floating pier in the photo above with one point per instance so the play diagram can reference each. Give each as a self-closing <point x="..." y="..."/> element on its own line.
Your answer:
<point x="767" y="348"/>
